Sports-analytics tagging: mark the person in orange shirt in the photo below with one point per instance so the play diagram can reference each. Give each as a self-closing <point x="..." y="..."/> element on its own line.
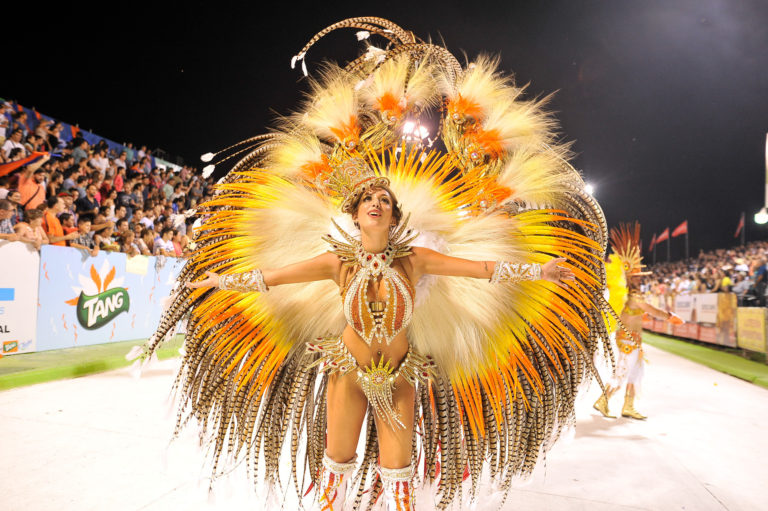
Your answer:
<point x="52" y="225"/>
<point x="31" y="184"/>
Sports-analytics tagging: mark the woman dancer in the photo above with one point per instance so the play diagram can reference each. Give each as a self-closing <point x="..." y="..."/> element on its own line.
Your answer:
<point x="624" y="277"/>
<point x="438" y="365"/>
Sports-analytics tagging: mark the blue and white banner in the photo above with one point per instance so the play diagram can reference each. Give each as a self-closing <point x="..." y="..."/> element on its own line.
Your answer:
<point x="87" y="300"/>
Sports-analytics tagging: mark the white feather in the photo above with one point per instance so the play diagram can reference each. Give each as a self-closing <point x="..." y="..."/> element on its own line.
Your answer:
<point x="207" y="157"/>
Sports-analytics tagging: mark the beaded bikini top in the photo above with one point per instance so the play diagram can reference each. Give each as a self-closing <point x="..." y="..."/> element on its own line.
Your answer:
<point x="381" y="318"/>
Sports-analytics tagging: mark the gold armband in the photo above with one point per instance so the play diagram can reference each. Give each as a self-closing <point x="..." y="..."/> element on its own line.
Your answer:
<point x="243" y="282"/>
<point x="510" y="272"/>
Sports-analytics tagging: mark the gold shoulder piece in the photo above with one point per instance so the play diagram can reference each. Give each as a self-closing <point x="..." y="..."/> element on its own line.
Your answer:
<point x="345" y="251"/>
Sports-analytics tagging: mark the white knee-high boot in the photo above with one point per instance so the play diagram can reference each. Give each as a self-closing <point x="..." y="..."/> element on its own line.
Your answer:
<point x="398" y="488"/>
<point x="332" y="488"/>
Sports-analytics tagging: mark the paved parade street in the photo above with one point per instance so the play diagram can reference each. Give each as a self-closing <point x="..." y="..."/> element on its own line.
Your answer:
<point x="99" y="443"/>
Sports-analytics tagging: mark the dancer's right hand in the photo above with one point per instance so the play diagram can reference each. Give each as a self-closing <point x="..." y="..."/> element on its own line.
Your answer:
<point x="211" y="280"/>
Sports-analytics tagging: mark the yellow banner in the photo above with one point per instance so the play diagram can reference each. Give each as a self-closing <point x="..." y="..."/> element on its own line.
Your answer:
<point x="751" y="328"/>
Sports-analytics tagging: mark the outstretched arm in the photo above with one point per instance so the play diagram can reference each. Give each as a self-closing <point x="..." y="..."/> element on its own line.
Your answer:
<point x="325" y="266"/>
<point x="429" y="262"/>
<point x="658" y="313"/>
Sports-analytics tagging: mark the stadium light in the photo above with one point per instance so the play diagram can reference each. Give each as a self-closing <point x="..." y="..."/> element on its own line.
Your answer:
<point x="589" y="188"/>
<point x="761" y="216"/>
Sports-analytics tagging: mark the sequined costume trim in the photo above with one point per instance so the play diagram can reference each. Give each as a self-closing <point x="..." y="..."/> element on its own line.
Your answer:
<point x="243" y="282"/>
<point x="378" y="320"/>
<point x="397" y="474"/>
<point x="510" y="272"/>
<point x="339" y="468"/>
<point x="376" y="380"/>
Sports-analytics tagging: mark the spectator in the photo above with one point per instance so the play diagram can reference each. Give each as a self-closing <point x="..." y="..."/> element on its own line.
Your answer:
<point x="80" y="151"/>
<point x="107" y="242"/>
<point x="67" y="223"/>
<point x="128" y="245"/>
<point x="100" y="162"/>
<point x="32" y="231"/>
<point x="43" y="131"/>
<point x="4" y="182"/>
<point x="86" y="239"/>
<point x="88" y="203"/>
<point x="31" y="185"/>
<point x="119" y="180"/>
<point x="14" y="142"/>
<point x="4" y="122"/>
<point x="163" y="244"/>
<point x="7" y="232"/>
<point x="52" y="225"/>
<point x="145" y="241"/>
<point x="54" y="135"/>
<point x="121" y="162"/>
<point x="19" y="122"/>
<point x="178" y="249"/>
<point x="55" y="184"/>
<point x="740" y="287"/>
<point x="69" y="203"/>
<point x="16" y="210"/>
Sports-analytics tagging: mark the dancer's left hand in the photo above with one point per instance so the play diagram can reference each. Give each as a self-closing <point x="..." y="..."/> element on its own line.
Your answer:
<point x="552" y="271"/>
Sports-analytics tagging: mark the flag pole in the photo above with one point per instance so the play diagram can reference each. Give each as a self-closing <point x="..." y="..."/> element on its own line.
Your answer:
<point x="686" y="242"/>
<point x="669" y="242"/>
<point x="654" y="253"/>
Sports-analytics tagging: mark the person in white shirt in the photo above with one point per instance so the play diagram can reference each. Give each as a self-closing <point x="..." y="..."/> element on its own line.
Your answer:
<point x="100" y="162"/>
<point x="164" y="245"/>
<point x="14" y="142"/>
<point x="120" y="161"/>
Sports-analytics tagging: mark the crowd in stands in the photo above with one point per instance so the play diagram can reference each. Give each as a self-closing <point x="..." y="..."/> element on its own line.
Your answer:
<point x="88" y="197"/>
<point x="740" y="270"/>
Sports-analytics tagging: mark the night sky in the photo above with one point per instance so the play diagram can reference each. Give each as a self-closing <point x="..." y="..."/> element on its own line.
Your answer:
<point x="664" y="99"/>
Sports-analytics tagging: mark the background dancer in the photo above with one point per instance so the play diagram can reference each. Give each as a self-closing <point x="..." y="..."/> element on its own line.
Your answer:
<point x="625" y="270"/>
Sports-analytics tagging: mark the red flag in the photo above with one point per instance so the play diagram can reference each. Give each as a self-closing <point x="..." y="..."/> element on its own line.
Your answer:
<point x="7" y="168"/>
<point x="680" y="229"/>
<point x="653" y="242"/>
<point x="740" y="226"/>
<point x="664" y="236"/>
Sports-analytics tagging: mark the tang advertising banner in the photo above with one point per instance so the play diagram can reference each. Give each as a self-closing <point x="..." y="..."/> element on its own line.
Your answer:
<point x="751" y="328"/>
<point x="87" y="300"/>
<point x="20" y="265"/>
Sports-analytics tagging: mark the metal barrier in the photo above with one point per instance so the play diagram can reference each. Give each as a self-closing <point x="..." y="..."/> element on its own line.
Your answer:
<point x="713" y="318"/>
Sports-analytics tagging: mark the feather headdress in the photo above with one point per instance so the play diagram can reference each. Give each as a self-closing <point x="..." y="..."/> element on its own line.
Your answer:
<point x="625" y="242"/>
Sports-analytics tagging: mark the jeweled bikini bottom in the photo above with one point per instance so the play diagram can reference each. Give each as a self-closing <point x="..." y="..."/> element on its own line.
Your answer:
<point x="376" y="380"/>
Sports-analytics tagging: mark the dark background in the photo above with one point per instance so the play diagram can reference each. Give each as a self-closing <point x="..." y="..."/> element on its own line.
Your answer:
<point x="665" y="99"/>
